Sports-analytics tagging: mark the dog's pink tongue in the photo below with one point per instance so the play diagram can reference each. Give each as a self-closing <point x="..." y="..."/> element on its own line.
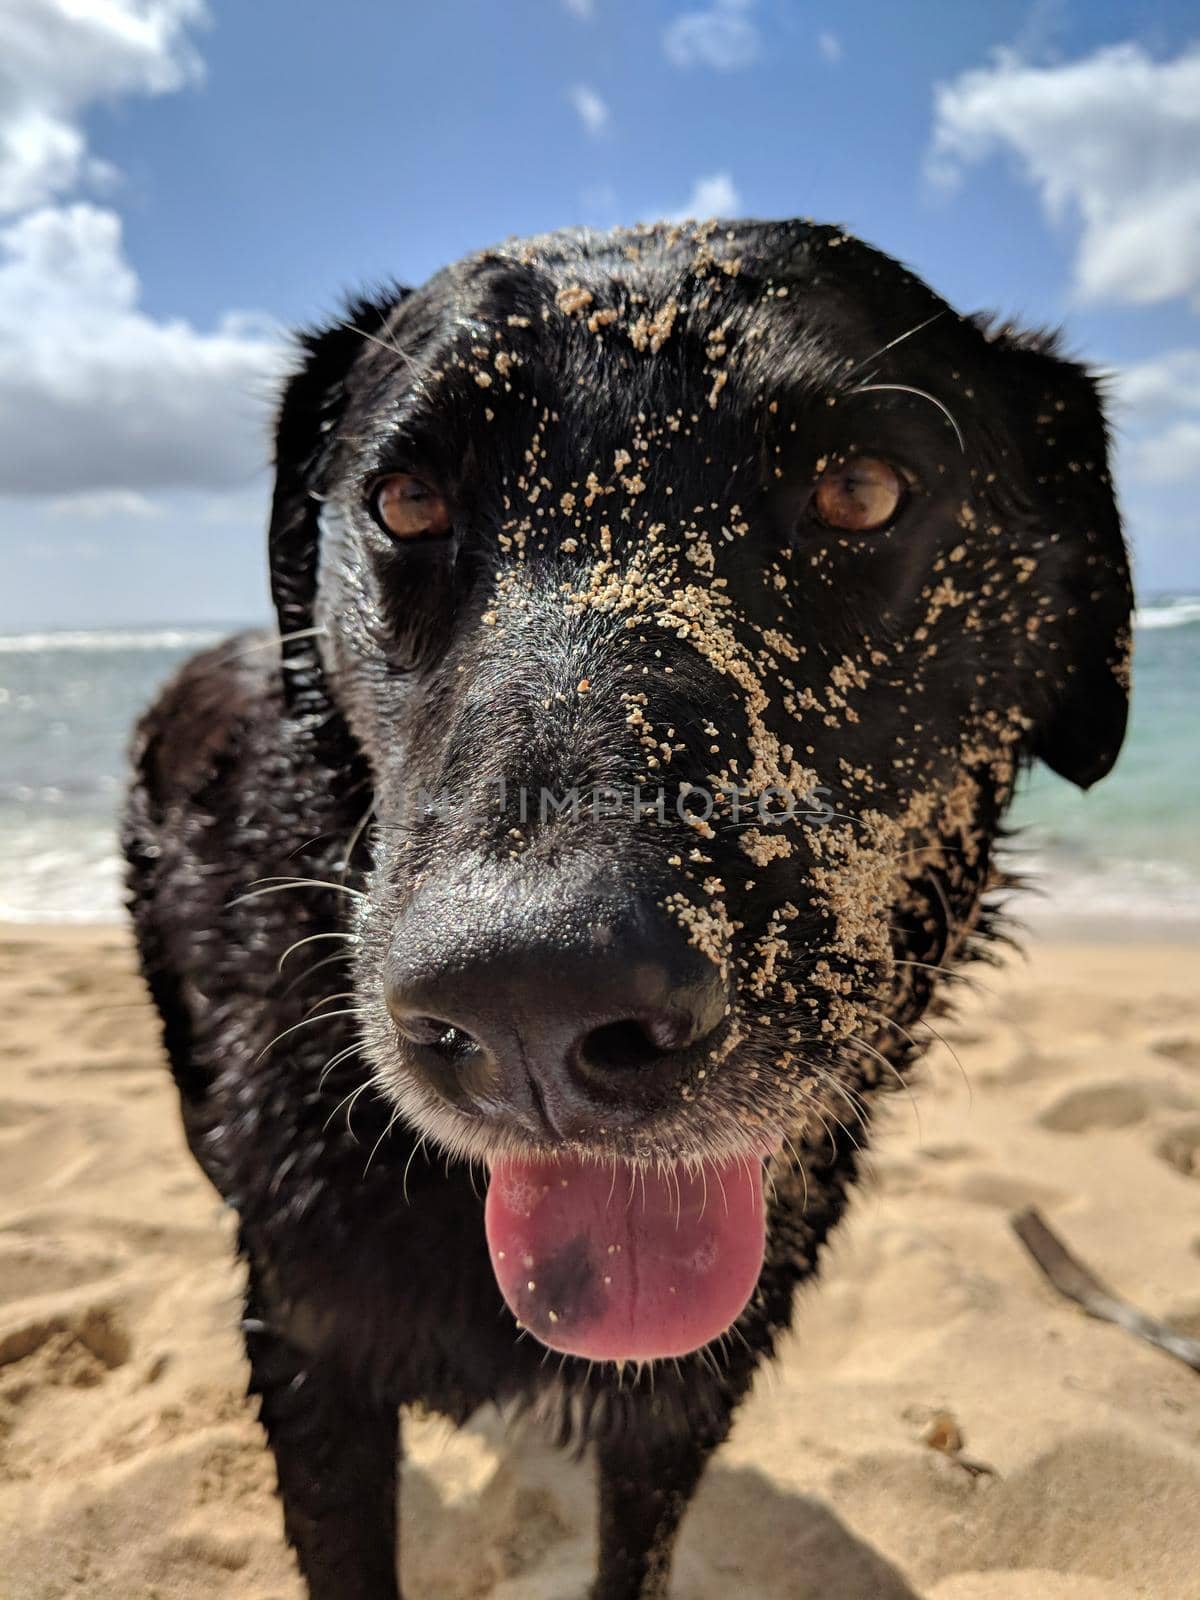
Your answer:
<point x="628" y="1266"/>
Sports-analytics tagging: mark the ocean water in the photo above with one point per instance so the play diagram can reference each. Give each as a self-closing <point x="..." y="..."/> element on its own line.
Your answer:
<point x="1121" y="861"/>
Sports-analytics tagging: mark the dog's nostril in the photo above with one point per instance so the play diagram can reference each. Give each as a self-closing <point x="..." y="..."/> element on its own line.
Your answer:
<point x="671" y="1030"/>
<point x="621" y="1046"/>
<point x="456" y="1045"/>
<point x="418" y="1030"/>
<point x="443" y="1038"/>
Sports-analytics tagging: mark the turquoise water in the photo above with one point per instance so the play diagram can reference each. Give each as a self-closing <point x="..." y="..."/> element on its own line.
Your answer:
<point x="1125" y="856"/>
<point x="67" y="705"/>
<point x="1130" y="847"/>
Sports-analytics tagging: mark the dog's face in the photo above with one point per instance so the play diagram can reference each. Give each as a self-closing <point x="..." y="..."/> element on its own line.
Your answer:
<point x="694" y="595"/>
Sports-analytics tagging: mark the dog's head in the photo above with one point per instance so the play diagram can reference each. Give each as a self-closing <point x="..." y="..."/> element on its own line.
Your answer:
<point x="694" y="596"/>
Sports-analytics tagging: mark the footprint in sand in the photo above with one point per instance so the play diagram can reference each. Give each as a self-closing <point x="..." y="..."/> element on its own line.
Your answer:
<point x="1007" y="1192"/>
<point x="1096" y="1105"/>
<point x="41" y="1150"/>
<point x="16" y="1113"/>
<point x="964" y="1035"/>
<point x="86" y="980"/>
<point x="506" y="1533"/>
<point x="42" y="1360"/>
<point x="1025" y="1066"/>
<point x="1180" y="1148"/>
<point x="71" y="1347"/>
<point x="201" y="1549"/>
<point x="44" y="991"/>
<point x="36" y="1267"/>
<point x="1182" y="1049"/>
<point x="948" y="1152"/>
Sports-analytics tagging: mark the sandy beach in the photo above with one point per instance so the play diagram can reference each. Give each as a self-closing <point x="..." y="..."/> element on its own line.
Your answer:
<point x="940" y="1425"/>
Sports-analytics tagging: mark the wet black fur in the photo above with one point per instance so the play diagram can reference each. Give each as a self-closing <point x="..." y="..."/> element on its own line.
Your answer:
<point x="369" y="1281"/>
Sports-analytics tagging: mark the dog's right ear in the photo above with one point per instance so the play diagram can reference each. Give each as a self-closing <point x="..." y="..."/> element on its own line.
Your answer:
<point x="314" y="400"/>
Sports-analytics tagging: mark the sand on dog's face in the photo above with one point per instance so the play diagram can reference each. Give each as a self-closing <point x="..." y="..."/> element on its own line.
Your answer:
<point x="130" y="1465"/>
<point x="646" y="596"/>
<point x="749" y="529"/>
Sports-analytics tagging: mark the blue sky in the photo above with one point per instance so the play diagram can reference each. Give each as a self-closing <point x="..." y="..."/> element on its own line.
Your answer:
<point x="180" y="181"/>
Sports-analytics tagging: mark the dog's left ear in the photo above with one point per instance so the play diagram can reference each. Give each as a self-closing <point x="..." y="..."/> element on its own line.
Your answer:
<point x="314" y="400"/>
<point x="1082" y="580"/>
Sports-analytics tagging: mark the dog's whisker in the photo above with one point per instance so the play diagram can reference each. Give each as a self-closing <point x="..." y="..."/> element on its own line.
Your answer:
<point x="721" y="1186"/>
<point x="373" y="338"/>
<point x="311" y="938"/>
<point x="923" y="1022"/>
<point x="921" y="394"/>
<point x="966" y="980"/>
<point x="855" y="1101"/>
<point x="799" y="1165"/>
<point x="900" y="338"/>
<point x="915" y="1045"/>
<point x="861" y="1044"/>
<point x="306" y="1022"/>
<point x="274" y="887"/>
<point x="352" y="842"/>
<point x="336" y="1061"/>
<point x="346" y="994"/>
<point x="417" y="1148"/>
<point x="388" y="1126"/>
<point x="306" y="972"/>
<point x="272" y="642"/>
<point x="348" y="1101"/>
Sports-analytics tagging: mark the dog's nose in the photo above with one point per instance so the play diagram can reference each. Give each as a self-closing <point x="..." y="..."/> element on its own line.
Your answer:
<point x="589" y="1021"/>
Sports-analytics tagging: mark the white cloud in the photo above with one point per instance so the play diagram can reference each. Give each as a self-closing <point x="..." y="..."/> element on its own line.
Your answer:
<point x="98" y="401"/>
<point x="723" y="37"/>
<point x="1111" y="141"/>
<point x="1158" y="410"/>
<point x="712" y="196"/>
<point x="829" y="47"/>
<point x="59" y="57"/>
<point x="193" y="562"/>
<point x="1172" y="456"/>
<point x="94" y="394"/>
<point x="98" y="505"/>
<point x="591" y="110"/>
<point x="585" y="10"/>
<point x="1160" y="386"/>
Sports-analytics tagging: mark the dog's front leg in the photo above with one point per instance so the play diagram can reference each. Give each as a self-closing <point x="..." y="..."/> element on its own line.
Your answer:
<point x="647" y="1479"/>
<point x="336" y="1454"/>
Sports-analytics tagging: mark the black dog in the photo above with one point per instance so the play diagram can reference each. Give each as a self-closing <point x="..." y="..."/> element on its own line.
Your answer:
<point x="664" y="619"/>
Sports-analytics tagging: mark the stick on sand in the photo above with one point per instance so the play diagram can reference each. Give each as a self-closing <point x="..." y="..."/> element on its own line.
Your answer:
<point x="1071" y="1278"/>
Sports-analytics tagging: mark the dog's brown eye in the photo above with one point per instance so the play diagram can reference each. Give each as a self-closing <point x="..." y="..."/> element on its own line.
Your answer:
<point x="859" y="495"/>
<point x="408" y="508"/>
